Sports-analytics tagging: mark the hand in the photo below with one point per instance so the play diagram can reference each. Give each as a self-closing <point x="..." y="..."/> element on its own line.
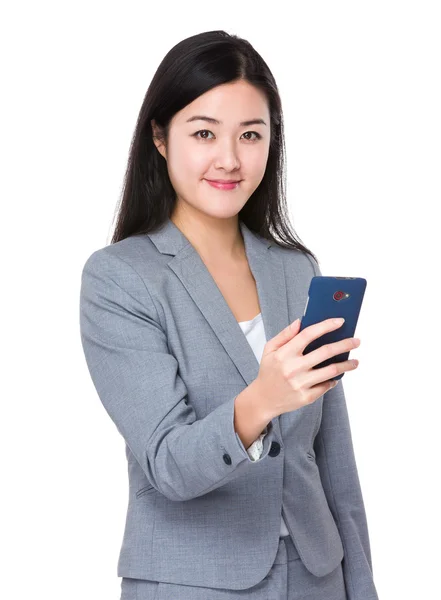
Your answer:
<point x="286" y="379"/>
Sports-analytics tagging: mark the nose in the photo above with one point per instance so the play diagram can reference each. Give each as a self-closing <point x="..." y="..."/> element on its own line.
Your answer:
<point x="227" y="158"/>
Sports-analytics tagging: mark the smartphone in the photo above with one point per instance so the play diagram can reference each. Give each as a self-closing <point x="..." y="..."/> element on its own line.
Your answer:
<point x="330" y="297"/>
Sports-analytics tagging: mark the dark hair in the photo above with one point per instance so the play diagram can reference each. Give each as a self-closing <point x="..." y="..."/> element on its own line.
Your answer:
<point x="191" y="68"/>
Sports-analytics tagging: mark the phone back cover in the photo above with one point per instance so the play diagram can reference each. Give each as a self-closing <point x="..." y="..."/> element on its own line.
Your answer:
<point x="321" y="305"/>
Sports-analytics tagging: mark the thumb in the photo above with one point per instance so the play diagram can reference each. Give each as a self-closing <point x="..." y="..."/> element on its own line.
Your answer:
<point x="283" y="337"/>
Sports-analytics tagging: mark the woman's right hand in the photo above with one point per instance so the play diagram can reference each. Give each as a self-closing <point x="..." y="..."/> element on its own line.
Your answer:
<point x="286" y="379"/>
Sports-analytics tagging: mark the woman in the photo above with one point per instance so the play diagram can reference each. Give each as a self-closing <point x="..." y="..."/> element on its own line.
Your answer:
<point x="242" y="480"/>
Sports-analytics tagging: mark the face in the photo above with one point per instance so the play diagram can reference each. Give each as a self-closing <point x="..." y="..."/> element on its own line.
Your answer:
<point x="199" y="150"/>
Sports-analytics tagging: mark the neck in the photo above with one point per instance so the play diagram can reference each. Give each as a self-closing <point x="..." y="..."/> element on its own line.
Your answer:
<point x="215" y="240"/>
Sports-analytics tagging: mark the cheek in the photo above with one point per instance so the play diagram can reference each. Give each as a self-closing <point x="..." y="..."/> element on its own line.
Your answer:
<point x="264" y="157"/>
<point x="189" y="163"/>
<point x="256" y="165"/>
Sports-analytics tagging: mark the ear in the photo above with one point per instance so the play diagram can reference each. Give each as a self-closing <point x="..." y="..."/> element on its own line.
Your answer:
<point x="156" y="130"/>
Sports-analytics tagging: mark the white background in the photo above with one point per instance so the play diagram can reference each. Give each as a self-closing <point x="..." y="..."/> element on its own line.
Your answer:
<point x="360" y="87"/>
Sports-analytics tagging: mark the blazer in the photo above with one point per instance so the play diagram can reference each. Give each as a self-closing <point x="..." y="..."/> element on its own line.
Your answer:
<point x="168" y="358"/>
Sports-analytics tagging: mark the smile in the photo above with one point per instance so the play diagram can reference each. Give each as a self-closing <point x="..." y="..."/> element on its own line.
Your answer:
<point x="223" y="186"/>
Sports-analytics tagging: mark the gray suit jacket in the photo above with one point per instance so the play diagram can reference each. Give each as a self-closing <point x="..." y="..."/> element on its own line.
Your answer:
<point x="168" y="358"/>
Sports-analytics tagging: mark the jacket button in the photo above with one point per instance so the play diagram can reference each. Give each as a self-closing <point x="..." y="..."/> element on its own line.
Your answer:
<point x="275" y="449"/>
<point x="227" y="459"/>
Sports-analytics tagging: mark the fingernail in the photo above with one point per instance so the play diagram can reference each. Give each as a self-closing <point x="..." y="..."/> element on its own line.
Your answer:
<point x="338" y="321"/>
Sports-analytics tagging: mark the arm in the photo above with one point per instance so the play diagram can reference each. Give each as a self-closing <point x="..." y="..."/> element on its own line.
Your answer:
<point x="338" y="471"/>
<point x="249" y="422"/>
<point x="137" y="381"/>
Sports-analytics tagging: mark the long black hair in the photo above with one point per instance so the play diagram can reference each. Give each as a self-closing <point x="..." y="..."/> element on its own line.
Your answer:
<point x="191" y="68"/>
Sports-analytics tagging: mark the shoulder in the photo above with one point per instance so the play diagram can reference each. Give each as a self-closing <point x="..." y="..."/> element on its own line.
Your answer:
<point x="126" y="270"/>
<point x="129" y="255"/>
<point x="115" y="278"/>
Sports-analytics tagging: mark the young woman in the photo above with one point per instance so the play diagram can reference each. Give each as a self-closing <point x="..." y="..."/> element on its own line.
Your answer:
<point x="242" y="476"/>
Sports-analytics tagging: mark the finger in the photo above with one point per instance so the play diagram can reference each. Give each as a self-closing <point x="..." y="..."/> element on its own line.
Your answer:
<point x="318" y="376"/>
<point x="318" y="390"/>
<point x="328" y="351"/>
<point x="283" y="337"/>
<point x="312" y="332"/>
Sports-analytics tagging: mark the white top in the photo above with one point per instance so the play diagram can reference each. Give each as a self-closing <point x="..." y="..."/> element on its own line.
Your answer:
<point x="255" y="334"/>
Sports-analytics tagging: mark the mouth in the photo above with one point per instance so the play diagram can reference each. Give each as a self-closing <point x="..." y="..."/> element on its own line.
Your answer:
<point x="224" y="185"/>
<point x="224" y="180"/>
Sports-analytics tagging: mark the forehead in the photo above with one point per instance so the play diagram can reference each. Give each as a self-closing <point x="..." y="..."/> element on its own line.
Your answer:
<point x="230" y="103"/>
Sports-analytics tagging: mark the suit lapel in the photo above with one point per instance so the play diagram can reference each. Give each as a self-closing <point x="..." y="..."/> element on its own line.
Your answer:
<point x="267" y="269"/>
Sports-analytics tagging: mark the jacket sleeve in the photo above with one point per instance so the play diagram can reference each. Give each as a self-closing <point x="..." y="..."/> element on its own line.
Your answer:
<point x="335" y="458"/>
<point x="137" y="381"/>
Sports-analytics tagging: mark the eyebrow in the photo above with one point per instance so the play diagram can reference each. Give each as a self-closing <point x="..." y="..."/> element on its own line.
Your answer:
<point x="216" y="122"/>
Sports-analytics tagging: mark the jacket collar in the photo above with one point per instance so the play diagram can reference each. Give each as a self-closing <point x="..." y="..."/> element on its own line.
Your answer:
<point x="267" y="268"/>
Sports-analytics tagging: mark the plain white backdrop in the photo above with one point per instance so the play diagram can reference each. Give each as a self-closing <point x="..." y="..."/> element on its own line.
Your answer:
<point x="361" y="93"/>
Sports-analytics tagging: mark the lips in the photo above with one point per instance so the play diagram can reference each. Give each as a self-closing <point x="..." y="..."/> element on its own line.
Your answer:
<point x="224" y="180"/>
<point x="222" y="185"/>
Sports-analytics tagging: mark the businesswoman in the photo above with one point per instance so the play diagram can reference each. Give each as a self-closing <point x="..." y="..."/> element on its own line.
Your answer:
<point x="242" y="476"/>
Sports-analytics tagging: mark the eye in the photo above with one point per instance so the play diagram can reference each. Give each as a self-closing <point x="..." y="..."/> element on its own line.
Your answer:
<point x="201" y="131"/>
<point x="258" y="136"/>
<point x="196" y="135"/>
